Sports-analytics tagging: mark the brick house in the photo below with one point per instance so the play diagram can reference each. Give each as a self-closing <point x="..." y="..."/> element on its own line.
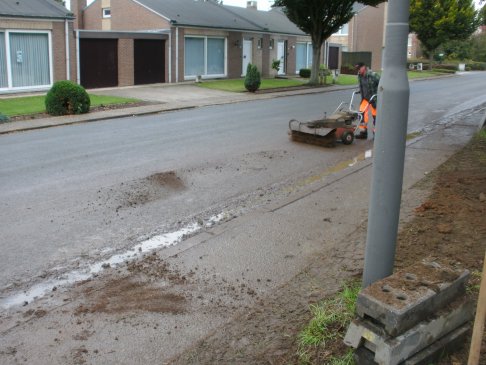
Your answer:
<point x="37" y="46"/>
<point x="197" y="38"/>
<point x="366" y="33"/>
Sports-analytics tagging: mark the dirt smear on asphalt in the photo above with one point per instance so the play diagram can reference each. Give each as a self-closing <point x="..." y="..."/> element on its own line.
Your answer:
<point x="135" y="292"/>
<point x="449" y="227"/>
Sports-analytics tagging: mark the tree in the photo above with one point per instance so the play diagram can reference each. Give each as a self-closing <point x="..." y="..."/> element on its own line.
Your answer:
<point x="458" y="49"/>
<point x="482" y="15"/>
<point x="438" y="21"/>
<point x="479" y="47"/>
<point x="320" y="19"/>
<point x="252" y="78"/>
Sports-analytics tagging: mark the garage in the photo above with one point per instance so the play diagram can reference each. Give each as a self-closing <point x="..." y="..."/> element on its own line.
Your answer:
<point x="117" y="58"/>
<point x="98" y="62"/>
<point x="149" y="61"/>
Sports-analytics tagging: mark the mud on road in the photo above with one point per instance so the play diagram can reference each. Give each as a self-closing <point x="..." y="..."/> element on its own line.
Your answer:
<point x="86" y="324"/>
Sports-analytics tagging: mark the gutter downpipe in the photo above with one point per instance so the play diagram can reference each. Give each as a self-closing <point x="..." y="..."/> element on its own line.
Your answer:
<point x="78" y="70"/>
<point x="170" y="57"/>
<point x="177" y="55"/>
<point x="68" y="56"/>
<point x="389" y="148"/>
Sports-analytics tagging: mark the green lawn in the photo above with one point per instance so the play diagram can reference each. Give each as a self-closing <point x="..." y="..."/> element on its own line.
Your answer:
<point x="238" y="85"/>
<point x="35" y="104"/>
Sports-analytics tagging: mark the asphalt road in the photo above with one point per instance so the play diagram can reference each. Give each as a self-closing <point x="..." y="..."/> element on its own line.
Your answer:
<point x="82" y="192"/>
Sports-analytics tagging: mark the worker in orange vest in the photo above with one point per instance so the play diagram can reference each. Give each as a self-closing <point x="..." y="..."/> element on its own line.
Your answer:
<point x="368" y="87"/>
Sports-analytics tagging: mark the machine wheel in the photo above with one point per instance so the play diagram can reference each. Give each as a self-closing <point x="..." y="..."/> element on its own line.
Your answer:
<point x="347" y="137"/>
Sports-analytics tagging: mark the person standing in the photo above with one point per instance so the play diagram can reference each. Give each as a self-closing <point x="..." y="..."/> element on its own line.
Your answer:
<point x="368" y="87"/>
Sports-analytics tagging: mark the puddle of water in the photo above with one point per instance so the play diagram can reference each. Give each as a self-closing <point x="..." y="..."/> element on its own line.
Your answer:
<point x="159" y="241"/>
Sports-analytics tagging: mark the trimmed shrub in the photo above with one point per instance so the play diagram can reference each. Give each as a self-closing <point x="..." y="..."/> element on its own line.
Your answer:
<point x="477" y="66"/>
<point x="3" y="118"/>
<point x="276" y="65"/>
<point x="67" y="97"/>
<point x="252" y="78"/>
<point x="305" y="73"/>
<point x="446" y="66"/>
<point x="444" y="70"/>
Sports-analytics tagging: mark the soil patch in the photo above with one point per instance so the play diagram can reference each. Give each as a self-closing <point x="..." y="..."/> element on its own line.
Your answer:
<point x="91" y="110"/>
<point x="125" y="295"/>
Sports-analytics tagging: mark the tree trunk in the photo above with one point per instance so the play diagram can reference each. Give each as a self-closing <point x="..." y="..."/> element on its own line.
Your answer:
<point x="316" y="62"/>
<point x="431" y="59"/>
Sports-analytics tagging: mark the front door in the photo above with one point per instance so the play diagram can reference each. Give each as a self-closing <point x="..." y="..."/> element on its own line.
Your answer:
<point x="247" y="54"/>
<point x="281" y="56"/>
<point x="333" y="61"/>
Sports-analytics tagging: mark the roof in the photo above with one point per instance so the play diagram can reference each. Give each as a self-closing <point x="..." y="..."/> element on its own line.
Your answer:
<point x="49" y="9"/>
<point x="274" y="21"/>
<point x="210" y="14"/>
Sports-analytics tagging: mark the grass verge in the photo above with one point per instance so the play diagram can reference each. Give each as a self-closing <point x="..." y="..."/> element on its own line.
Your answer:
<point x="26" y="105"/>
<point x="329" y="322"/>
<point x="238" y="85"/>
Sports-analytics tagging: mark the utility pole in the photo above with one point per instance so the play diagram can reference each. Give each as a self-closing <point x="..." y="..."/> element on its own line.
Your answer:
<point x="389" y="147"/>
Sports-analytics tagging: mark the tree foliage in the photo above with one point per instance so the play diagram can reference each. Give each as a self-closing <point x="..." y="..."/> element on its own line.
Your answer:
<point x="438" y="21"/>
<point x="320" y="19"/>
<point x="478" y="52"/>
<point x="482" y="15"/>
<point x="252" y="78"/>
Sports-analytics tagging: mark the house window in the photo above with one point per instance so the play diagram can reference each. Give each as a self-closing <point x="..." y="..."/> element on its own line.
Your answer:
<point x="343" y="30"/>
<point x="205" y="56"/>
<point x="25" y="59"/>
<point x="303" y="55"/>
<point x="106" y="12"/>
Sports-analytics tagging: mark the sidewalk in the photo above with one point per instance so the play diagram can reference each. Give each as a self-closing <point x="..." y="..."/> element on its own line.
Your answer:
<point x="224" y="276"/>
<point x="162" y="98"/>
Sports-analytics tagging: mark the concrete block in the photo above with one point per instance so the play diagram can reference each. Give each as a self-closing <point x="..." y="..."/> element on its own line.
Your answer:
<point x="400" y="301"/>
<point x="447" y="344"/>
<point x="394" y="350"/>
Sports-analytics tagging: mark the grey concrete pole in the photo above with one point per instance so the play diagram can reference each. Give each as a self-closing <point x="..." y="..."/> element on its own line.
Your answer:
<point x="389" y="148"/>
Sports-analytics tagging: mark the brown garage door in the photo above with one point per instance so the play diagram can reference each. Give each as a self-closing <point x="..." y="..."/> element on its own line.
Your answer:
<point x="99" y="62"/>
<point x="149" y="61"/>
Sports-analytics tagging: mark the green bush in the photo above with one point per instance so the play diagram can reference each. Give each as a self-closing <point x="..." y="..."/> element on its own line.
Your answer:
<point x="305" y="73"/>
<point x="276" y="65"/>
<point x="66" y="97"/>
<point x="3" y="118"/>
<point x="444" y="70"/>
<point x="477" y="66"/>
<point x="446" y="66"/>
<point x="252" y="78"/>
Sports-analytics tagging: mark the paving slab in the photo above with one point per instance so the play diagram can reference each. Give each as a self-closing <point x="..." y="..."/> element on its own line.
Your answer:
<point x="400" y="301"/>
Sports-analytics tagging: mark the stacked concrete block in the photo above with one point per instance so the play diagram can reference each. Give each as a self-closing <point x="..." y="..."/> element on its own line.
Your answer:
<point x="409" y="317"/>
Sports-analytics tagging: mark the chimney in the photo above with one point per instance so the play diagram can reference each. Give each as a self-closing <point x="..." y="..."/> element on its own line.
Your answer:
<point x="252" y="4"/>
<point x="77" y="7"/>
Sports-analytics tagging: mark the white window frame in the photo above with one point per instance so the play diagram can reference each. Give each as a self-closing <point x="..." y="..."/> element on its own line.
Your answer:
<point x="205" y="75"/>
<point x="9" y="63"/>
<point x="106" y="12"/>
